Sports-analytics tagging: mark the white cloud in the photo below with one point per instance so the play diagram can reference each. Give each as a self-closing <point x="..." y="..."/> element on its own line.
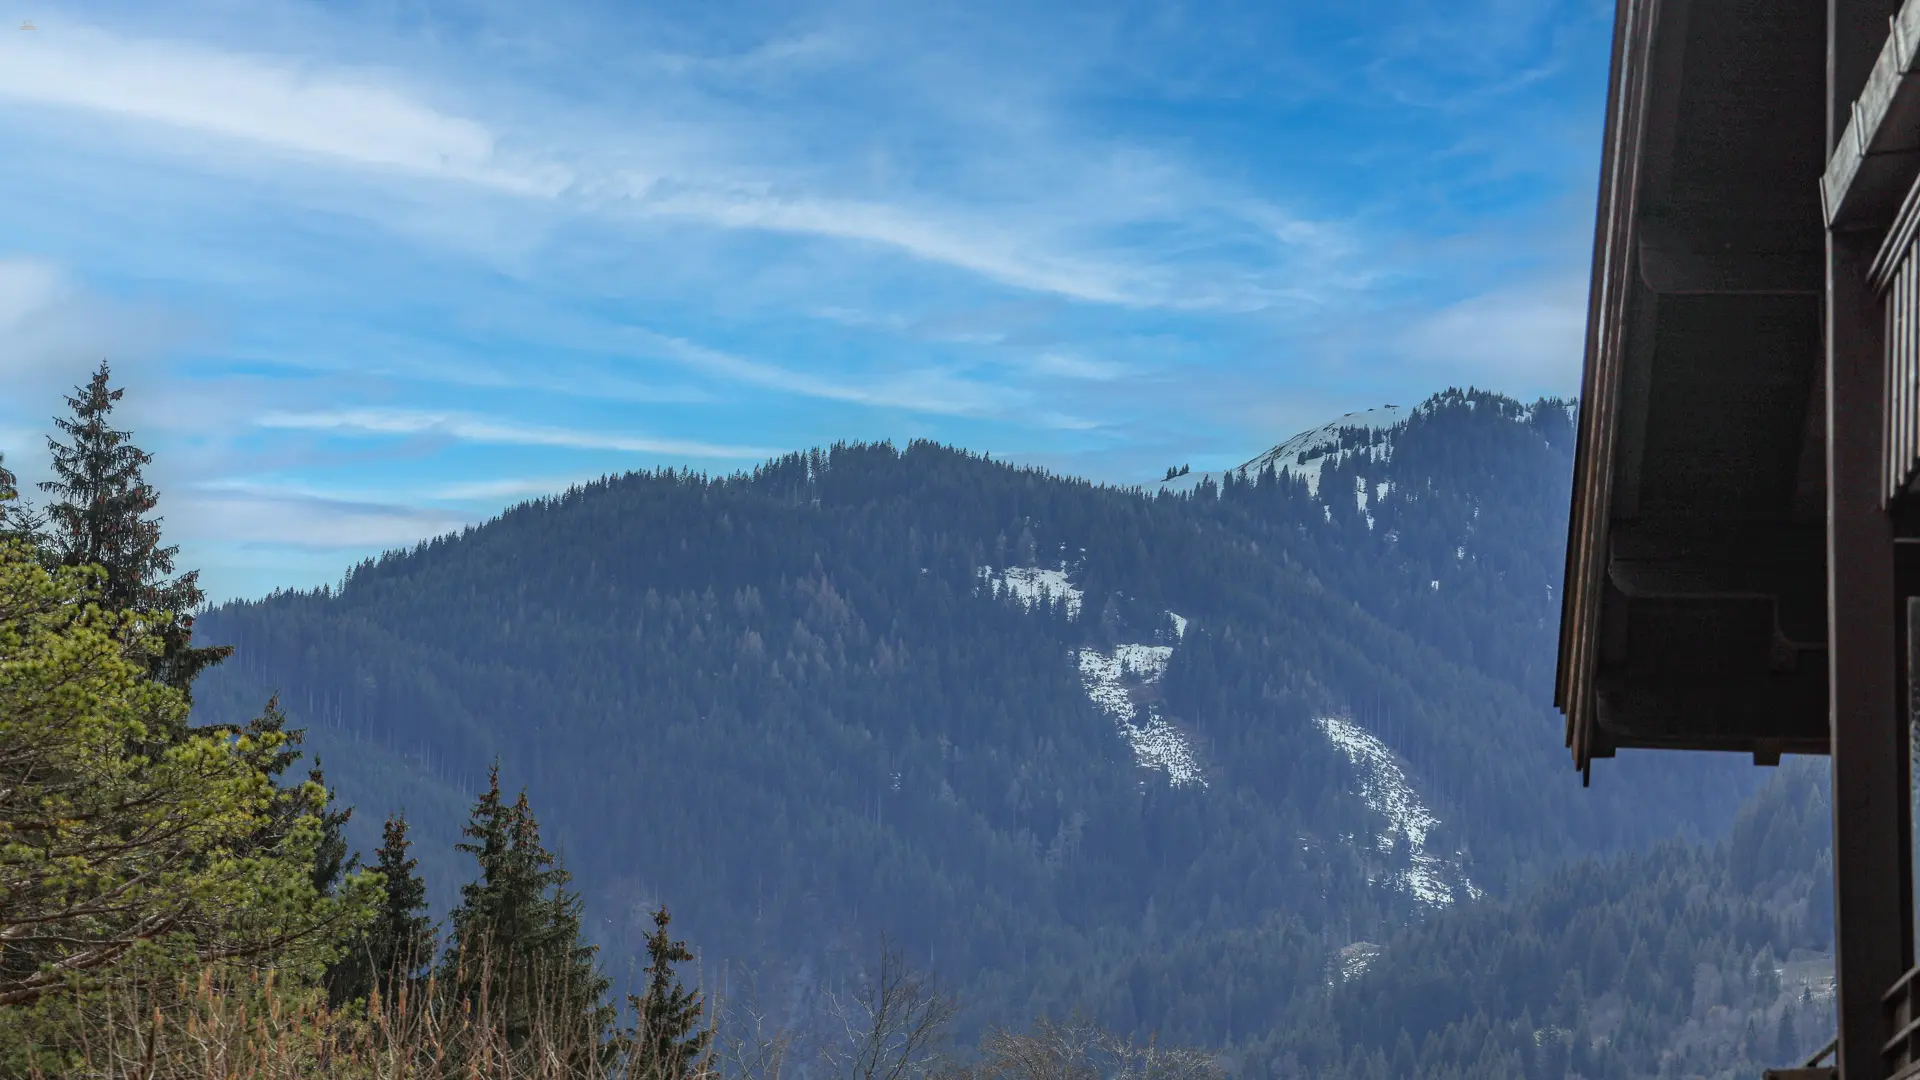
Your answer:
<point x="377" y="422"/>
<point x="772" y="58"/>
<point x="27" y="286"/>
<point x="261" y="515"/>
<point x="355" y="117"/>
<point x="925" y="390"/>
<point x="1070" y="366"/>
<point x="53" y="332"/>
<point x="951" y="239"/>
<point x="1525" y="337"/>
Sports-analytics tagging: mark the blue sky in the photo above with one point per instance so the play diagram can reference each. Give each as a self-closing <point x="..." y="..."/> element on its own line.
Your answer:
<point x="371" y="271"/>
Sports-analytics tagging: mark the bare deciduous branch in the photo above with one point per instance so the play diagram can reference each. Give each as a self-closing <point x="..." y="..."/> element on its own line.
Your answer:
<point x="895" y="1025"/>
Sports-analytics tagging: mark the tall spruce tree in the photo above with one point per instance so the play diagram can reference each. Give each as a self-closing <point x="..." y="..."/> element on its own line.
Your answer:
<point x="668" y="1039"/>
<point x="402" y="935"/>
<point x="516" y="955"/>
<point x="100" y="515"/>
<point x="393" y="953"/>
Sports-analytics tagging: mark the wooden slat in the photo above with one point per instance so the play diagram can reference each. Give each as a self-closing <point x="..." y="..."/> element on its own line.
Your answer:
<point x="1909" y="358"/>
<point x="1898" y="357"/>
<point x="1895" y="302"/>
<point x="1903" y="380"/>
<point x="1901" y="984"/>
<point x="1897" y="1055"/>
<point x="1898" y="1044"/>
<point x="1890" y="440"/>
<point x="1897" y="280"/>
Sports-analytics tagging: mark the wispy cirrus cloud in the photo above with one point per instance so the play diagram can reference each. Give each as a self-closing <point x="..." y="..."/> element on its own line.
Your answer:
<point x="1059" y="239"/>
<point x="401" y="422"/>
<point x="1070" y="366"/>
<point x="483" y="252"/>
<point x="356" y="117"/>
<point x="270" y="514"/>
<point x="923" y="389"/>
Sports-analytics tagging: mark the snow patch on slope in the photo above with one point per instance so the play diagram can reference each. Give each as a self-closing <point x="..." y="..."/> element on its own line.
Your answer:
<point x="1031" y="585"/>
<point x="1384" y="786"/>
<point x="1355" y="958"/>
<point x="1111" y="680"/>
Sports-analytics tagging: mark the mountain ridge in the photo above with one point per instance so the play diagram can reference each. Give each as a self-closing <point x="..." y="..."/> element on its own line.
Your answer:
<point x="848" y="681"/>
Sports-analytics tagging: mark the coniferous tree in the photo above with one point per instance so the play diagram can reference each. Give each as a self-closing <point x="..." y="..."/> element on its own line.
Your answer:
<point x="112" y="852"/>
<point x="668" y="1040"/>
<point x="402" y="935"/>
<point x="395" y="950"/>
<point x="101" y="516"/>
<point x="1785" y="1043"/>
<point x="516" y="945"/>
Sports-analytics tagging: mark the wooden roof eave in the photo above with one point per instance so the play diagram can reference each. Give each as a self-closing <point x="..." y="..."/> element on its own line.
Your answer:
<point x="1614" y="268"/>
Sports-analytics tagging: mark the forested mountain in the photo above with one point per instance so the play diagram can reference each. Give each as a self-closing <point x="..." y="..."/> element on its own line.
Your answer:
<point x="1161" y="753"/>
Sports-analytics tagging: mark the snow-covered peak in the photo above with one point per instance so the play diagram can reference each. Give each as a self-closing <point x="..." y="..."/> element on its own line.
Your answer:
<point x="1318" y="441"/>
<point x="1306" y="453"/>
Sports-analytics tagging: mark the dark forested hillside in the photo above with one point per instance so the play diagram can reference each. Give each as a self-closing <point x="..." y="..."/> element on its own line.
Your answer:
<point x="1686" y="960"/>
<point x="1161" y="754"/>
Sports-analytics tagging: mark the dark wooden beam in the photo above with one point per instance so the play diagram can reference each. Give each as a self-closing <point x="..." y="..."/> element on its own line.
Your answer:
<point x="1712" y="579"/>
<point x="1691" y="271"/>
<point x="1782" y="713"/>
<point x="1776" y="543"/>
<point x="1783" y="563"/>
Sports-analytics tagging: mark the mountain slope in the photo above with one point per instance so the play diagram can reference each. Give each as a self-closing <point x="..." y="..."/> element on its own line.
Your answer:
<point x="1037" y="729"/>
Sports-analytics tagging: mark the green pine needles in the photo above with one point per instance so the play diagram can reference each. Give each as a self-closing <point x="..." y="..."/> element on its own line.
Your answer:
<point x="670" y="1040"/>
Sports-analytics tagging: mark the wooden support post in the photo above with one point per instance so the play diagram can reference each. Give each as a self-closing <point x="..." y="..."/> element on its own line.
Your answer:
<point x="1869" y="798"/>
<point x="1871" y="854"/>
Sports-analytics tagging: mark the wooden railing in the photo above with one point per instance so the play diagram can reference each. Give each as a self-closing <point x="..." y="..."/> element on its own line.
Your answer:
<point x="1900" y="1057"/>
<point x="1815" y="1068"/>
<point x="1896" y="275"/>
